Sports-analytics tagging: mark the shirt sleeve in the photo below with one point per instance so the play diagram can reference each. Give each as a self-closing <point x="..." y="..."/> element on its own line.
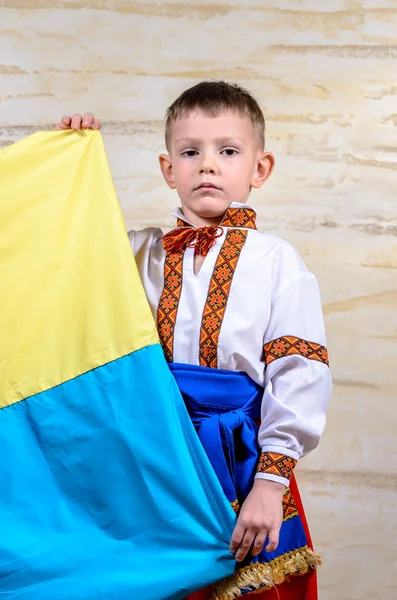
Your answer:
<point x="297" y="376"/>
<point x="143" y="240"/>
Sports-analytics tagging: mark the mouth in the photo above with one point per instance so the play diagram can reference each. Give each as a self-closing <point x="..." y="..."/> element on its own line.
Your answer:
<point x="207" y="186"/>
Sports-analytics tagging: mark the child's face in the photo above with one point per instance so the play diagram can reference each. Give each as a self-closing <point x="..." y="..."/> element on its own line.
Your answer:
<point x="212" y="162"/>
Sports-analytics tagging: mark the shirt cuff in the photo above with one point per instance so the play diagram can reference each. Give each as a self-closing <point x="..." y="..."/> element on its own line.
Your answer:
<point x="275" y="467"/>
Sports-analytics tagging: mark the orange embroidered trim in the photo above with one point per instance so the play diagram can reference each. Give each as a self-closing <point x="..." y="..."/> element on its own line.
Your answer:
<point x="273" y="463"/>
<point x="290" y="509"/>
<point x="289" y="345"/>
<point x="239" y="217"/>
<point x="235" y="506"/>
<point x="169" y="301"/>
<point x="233" y="217"/>
<point x="218" y="294"/>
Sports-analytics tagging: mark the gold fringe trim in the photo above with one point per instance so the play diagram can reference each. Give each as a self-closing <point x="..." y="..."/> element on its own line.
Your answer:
<point x="262" y="576"/>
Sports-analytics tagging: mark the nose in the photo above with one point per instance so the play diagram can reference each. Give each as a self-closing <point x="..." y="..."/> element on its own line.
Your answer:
<point x="207" y="165"/>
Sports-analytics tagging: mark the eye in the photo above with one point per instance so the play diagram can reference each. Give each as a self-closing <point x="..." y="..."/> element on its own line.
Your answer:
<point x="229" y="152"/>
<point x="189" y="153"/>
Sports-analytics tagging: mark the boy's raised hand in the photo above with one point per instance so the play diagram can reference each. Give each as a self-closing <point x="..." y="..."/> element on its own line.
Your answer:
<point x="260" y="517"/>
<point x="86" y="121"/>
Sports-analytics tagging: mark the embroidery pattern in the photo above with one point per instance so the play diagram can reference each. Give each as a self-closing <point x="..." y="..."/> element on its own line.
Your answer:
<point x="235" y="506"/>
<point x="289" y="345"/>
<point x="290" y="509"/>
<point x="239" y="217"/>
<point x="233" y="217"/>
<point x="169" y="301"/>
<point x="273" y="463"/>
<point x="218" y="294"/>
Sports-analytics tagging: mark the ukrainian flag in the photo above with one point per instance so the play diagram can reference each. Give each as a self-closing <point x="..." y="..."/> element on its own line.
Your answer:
<point x="105" y="490"/>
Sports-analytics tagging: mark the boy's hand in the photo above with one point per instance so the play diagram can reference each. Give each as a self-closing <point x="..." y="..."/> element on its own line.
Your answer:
<point x="260" y="517"/>
<point x="88" y="121"/>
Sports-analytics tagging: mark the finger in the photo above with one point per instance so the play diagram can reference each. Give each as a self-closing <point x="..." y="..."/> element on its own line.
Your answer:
<point x="88" y="121"/>
<point x="76" y="122"/>
<point x="62" y="127"/>
<point x="273" y="539"/>
<point x="245" y="545"/>
<point x="63" y="124"/>
<point x="237" y="537"/>
<point x="97" y="124"/>
<point x="258" y="544"/>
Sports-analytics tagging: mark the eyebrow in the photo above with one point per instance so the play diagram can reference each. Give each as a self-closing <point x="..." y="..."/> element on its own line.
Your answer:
<point x="194" y="141"/>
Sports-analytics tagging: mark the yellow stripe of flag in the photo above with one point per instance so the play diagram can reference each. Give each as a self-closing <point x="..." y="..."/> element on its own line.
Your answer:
<point x="57" y="223"/>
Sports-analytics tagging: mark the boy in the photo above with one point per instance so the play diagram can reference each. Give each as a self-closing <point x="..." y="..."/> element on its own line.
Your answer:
<point x="239" y="319"/>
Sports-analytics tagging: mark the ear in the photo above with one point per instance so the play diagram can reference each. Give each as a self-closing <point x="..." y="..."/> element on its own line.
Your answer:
<point x="264" y="168"/>
<point x="166" y="169"/>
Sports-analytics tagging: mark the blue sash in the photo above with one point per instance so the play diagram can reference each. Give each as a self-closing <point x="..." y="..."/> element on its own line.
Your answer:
<point x="224" y="407"/>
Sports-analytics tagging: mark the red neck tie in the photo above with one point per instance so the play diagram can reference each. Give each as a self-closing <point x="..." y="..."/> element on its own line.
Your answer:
<point x="202" y="239"/>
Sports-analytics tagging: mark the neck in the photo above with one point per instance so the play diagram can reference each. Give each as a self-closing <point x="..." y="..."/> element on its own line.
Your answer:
<point x="200" y="221"/>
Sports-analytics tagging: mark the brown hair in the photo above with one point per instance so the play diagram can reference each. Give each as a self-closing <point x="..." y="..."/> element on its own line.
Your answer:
<point x="213" y="97"/>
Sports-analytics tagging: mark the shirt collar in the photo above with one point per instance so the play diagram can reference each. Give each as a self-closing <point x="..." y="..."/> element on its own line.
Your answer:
<point x="237" y="215"/>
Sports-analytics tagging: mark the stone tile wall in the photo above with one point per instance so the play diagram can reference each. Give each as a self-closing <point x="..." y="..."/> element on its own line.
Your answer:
<point x="325" y="75"/>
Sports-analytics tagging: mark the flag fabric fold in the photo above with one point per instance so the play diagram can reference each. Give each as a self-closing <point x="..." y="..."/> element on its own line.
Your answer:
<point x="105" y="489"/>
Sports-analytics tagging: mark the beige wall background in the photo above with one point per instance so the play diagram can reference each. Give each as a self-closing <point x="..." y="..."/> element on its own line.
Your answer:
<point x="324" y="72"/>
